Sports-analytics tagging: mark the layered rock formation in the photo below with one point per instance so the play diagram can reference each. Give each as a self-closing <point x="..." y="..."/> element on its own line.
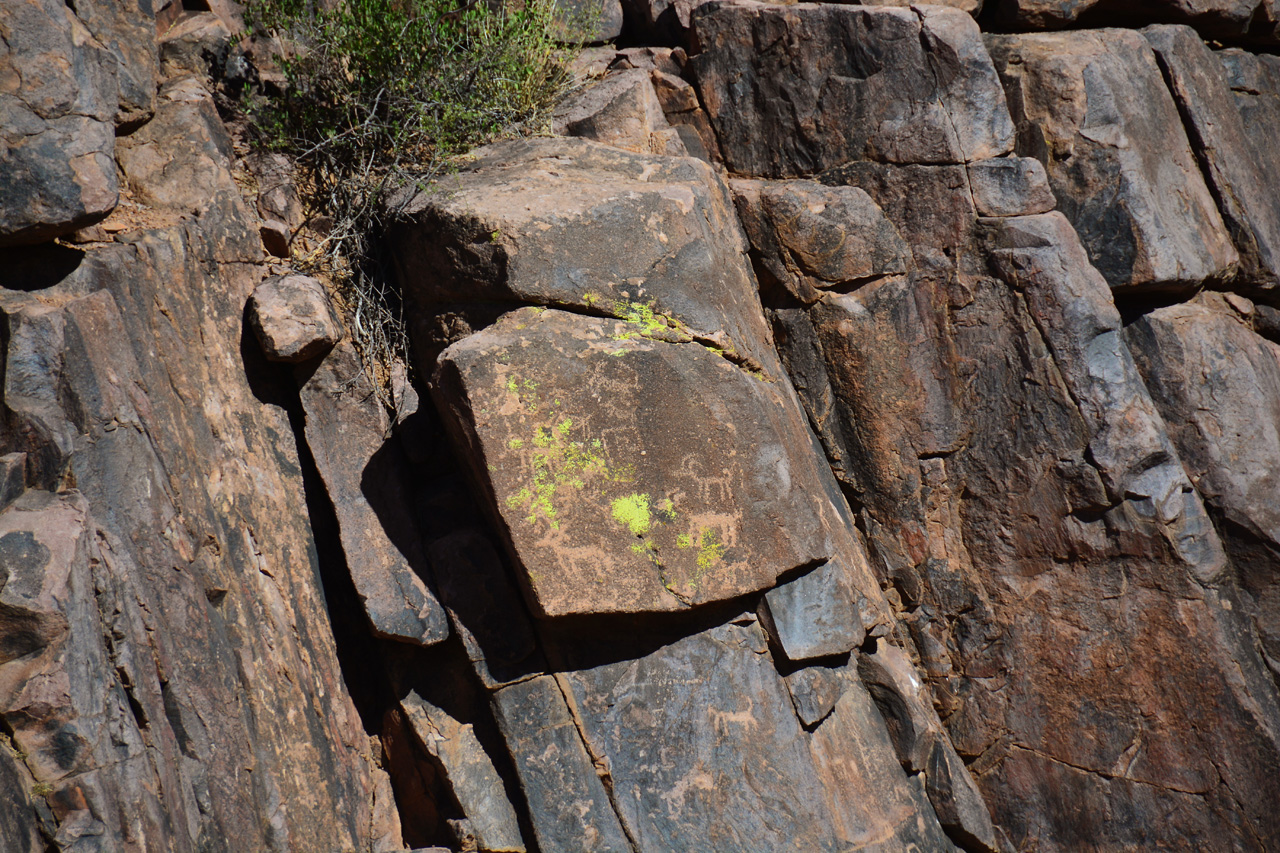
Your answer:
<point x="855" y="431"/>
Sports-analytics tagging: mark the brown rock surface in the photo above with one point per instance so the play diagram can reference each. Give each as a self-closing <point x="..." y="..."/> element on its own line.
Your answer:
<point x="58" y="101"/>
<point x="842" y="83"/>
<point x="1093" y="107"/>
<point x="1226" y="19"/>
<point x="293" y="318"/>
<point x="621" y="483"/>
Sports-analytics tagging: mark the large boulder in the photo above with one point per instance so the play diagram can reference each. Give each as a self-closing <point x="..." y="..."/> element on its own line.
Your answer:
<point x="57" y="111"/>
<point x="1094" y="108"/>
<point x="634" y="469"/>
<point x="1234" y="156"/>
<point x="842" y="83"/>
<point x="1231" y="20"/>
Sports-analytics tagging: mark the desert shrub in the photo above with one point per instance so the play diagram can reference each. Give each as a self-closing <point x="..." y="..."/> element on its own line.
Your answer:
<point x="383" y="93"/>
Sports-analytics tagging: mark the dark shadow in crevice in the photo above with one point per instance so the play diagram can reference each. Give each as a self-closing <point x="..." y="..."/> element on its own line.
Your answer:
<point x="31" y="268"/>
<point x="1134" y="304"/>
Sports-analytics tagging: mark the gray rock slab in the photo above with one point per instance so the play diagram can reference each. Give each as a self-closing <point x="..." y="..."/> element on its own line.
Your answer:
<point x="704" y="749"/>
<point x="127" y="29"/>
<point x="815" y="615"/>
<point x="623" y="482"/>
<point x="810" y="236"/>
<point x="843" y="83"/>
<point x="293" y="318"/>
<point x="469" y="773"/>
<point x="572" y="222"/>
<point x="1232" y="156"/>
<point x="1010" y="186"/>
<point x="815" y="690"/>
<point x="621" y="110"/>
<point x="57" y="132"/>
<point x="364" y="472"/>
<point x="1094" y="108"/>
<point x="568" y="804"/>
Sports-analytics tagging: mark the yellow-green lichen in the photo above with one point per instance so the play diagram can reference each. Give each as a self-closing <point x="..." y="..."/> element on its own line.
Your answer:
<point x="632" y="512"/>
<point x="710" y="548"/>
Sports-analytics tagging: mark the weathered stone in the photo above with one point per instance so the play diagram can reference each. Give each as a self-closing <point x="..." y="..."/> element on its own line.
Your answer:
<point x="193" y="43"/>
<point x="621" y="110"/>
<point x="680" y="104"/>
<point x="1228" y="153"/>
<point x="469" y="772"/>
<point x="1093" y="107"/>
<point x="670" y="61"/>
<point x="57" y="108"/>
<point x="815" y="690"/>
<point x="293" y="318"/>
<point x="13" y="477"/>
<point x="1010" y="186"/>
<point x="973" y="7"/>
<point x="277" y="192"/>
<point x="1228" y="19"/>
<point x="1218" y="386"/>
<point x="364" y="471"/>
<point x="621" y="486"/>
<point x="816" y="615"/>
<point x="808" y="236"/>
<point x="192" y="177"/>
<point x="575" y="223"/>
<point x="662" y="22"/>
<point x="485" y="606"/>
<point x="922" y="745"/>
<point x="895" y="85"/>
<point x="568" y="805"/>
<point x="127" y="29"/>
<point x="691" y="731"/>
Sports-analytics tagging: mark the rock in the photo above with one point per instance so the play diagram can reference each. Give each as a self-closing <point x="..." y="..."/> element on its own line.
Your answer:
<point x="1093" y="107"/>
<point x="13" y="477"/>
<point x="193" y="177"/>
<point x="814" y="616"/>
<point x="662" y="22"/>
<point x="574" y="223"/>
<point x="814" y="691"/>
<point x="193" y="43"/>
<point x="621" y="110"/>
<point x="588" y="21"/>
<point x="973" y="7"/>
<point x="275" y="238"/>
<point x="1227" y="151"/>
<point x="469" y="773"/>
<point x="485" y="606"/>
<point x="293" y="318"/>
<point x="278" y="197"/>
<point x="680" y="104"/>
<point x="875" y="83"/>
<point x="809" y="237"/>
<point x="593" y="440"/>
<point x="688" y="729"/>
<point x="127" y="30"/>
<point x="568" y="804"/>
<point x="1225" y="19"/>
<point x="1217" y="384"/>
<point x="1255" y="86"/>
<point x="922" y="745"/>
<point x="364" y="473"/>
<point x="1010" y="186"/>
<point x="57" y="116"/>
<point x="668" y="60"/>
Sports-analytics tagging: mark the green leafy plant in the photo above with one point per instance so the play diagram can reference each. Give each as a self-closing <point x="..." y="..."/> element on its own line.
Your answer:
<point x="383" y="94"/>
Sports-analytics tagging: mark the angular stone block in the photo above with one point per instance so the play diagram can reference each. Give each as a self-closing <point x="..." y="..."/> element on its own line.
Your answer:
<point x="810" y="236"/>
<point x="1010" y="186"/>
<point x="364" y="473"/>
<point x="623" y="483"/>
<point x="1234" y="158"/>
<point x="621" y="110"/>
<point x="57" y="133"/>
<point x="843" y="83"/>
<point x="293" y="318"/>
<point x="815" y="615"/>
<point x="568" y="805"/>
<point x="1228" y="19"/>
<point x="815" y="690"/>
<point x="572" y="222"/>
<point x="1093" y="107"/>
<point x="469" y="772"/>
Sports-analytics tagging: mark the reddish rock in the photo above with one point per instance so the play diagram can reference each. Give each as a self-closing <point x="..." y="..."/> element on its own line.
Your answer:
<point x="293" y="318"/>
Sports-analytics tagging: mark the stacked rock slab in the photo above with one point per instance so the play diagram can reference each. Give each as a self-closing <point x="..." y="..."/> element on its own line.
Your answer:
<point x="1018" y="486"/>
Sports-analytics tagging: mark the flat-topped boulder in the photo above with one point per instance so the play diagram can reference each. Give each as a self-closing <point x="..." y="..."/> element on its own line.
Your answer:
<point x="633" y="470"/>
<point x="574" y="223"/>
<point x="841" y="83"/>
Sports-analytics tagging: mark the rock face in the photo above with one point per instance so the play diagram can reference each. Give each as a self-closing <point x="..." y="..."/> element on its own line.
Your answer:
<point x="1124" y="175"/>
<point x="860" y="433"/>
